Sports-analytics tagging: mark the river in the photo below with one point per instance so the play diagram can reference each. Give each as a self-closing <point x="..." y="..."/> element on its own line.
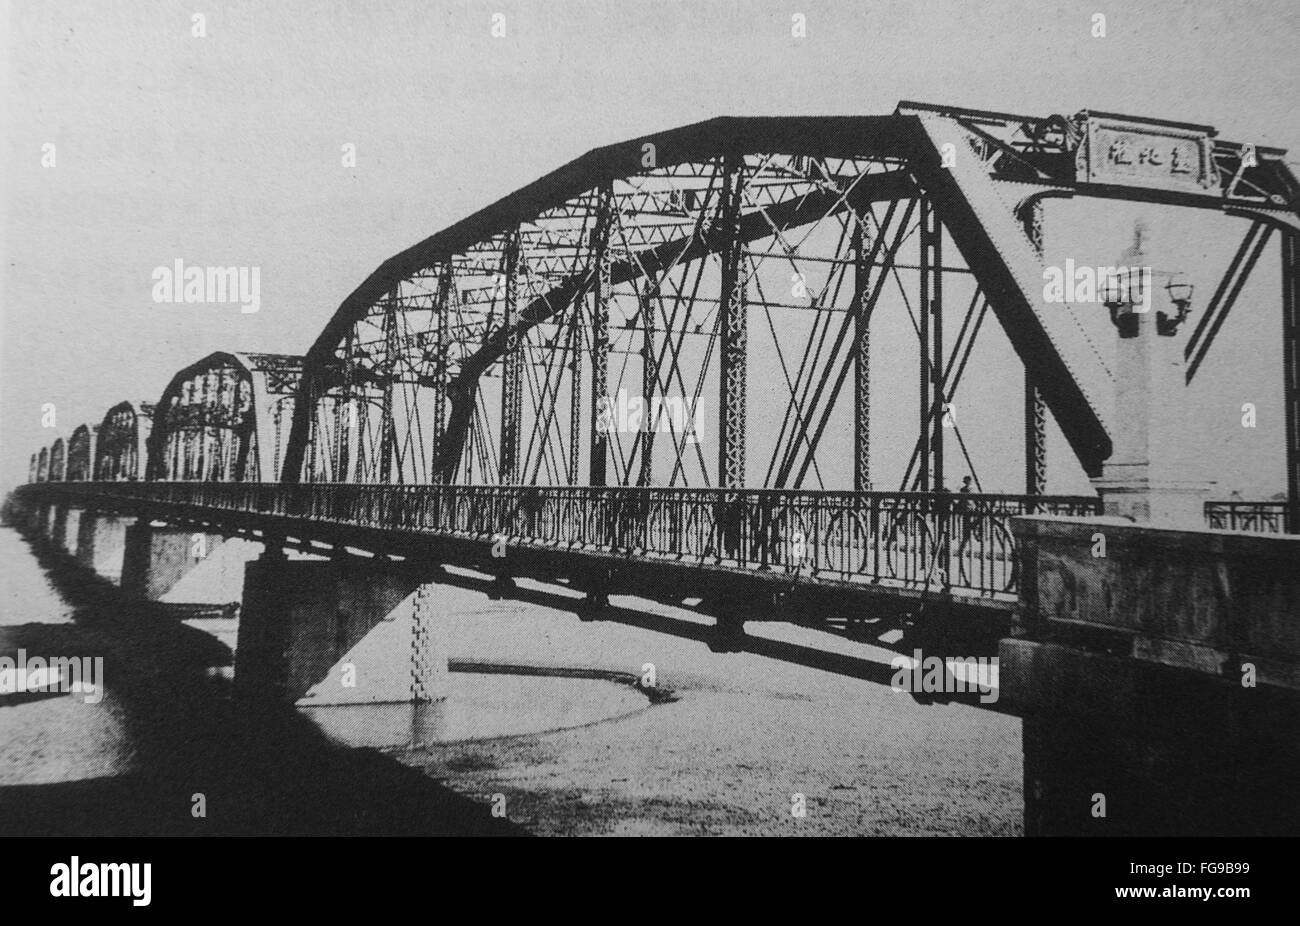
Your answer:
<point x="732" y="743"/>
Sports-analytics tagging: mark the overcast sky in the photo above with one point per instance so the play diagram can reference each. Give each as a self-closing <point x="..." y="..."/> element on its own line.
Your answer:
<point x="225" y="150"/>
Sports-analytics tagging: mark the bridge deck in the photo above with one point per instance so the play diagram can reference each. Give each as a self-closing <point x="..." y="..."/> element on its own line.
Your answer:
<point x="908" y="544"/>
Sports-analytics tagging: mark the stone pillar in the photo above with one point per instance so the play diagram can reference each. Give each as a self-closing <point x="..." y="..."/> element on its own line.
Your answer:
<point x="59" y="526"/>
<point x="71" y="530"/>
<point x="300" y="617"/>
<point x="157" y="556"/>
<point x="87" y="524"/>
<point x="1148" y="478"/>
<point x="109" y="545"/>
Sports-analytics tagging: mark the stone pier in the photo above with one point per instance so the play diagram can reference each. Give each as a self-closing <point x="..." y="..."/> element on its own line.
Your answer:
<point x="157" y="556"/>
<point x="101" y="543"/>
<point x="59" y="526"/>
<point x="300" y="617"/>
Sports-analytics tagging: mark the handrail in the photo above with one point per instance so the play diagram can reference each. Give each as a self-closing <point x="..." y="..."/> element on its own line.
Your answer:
<point x="922" y="540"/>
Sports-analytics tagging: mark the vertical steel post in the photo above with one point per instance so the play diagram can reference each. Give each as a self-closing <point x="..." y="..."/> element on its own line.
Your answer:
<point x="1291" y="372"/>
<point x="440" y="345"/>
<point x="926" y="404"/>
<point x="1035" y="405"/>
<point x="575" y="387"/>
<point x="600" y="410"/>
<point x="862" y="360"/>
<point x="732" y="321"/>
<point x="939" y="412"/>
<point x="344" y="415"/>
<point x="388" y="430"/>
<point x="649" y="383"/>
<point x="511" y="367"/>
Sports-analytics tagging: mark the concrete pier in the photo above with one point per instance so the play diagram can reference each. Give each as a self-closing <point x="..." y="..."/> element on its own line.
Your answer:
<point x="300" y="617"/>
<point x="1159" y="682"/>
<point x="157" y="556"/>
<point x="101" y="543"/>
<point x="59" y="526"/>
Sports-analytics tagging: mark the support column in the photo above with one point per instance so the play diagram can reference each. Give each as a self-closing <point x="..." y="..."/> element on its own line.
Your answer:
<point x="862" y="361"/>
<point x="1035" y="439"/>
<point x="649" y="385"/>
<point x="87" y="526"/>
<point x="59" y="527"/>
<point x="1291" y="372"/>
<point x="600" y="409"/>
<point x="1189" y="728"/>
<point x="1035" y="405"/>
<point x="511" y="368"/>
<point x="157" y="556"/>
<point x="387" y="430"/>
<point x="440" y="346"/>
<point x="925" y="380"/>
<point x="733" y="327"/>
<point x="345" y="415"/>
<point x="101" y="540"/>
<point x="300" y="617"/>
<point x="937" y="412"/>
<point x="575" y="389"/>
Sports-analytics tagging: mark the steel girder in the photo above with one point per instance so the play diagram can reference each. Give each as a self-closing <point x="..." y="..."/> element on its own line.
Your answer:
<point x="216" y="418"/>
<point x="58" y="454"/>
<point x="1291" y="372"/>
<point x="980" y="199"/>
<point x="121" y="443"/>
<point x="81" y="453"/>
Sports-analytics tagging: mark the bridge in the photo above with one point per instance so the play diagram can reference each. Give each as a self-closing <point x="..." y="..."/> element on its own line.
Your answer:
<point x="741" y="366"/>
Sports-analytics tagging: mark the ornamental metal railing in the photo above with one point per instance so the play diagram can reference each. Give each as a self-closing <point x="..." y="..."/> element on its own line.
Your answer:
<point x="1257" y="517"/>
<point x="956" y="543"/>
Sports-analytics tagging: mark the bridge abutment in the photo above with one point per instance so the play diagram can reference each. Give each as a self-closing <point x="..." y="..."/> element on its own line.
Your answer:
<point x="1159" y="682"/>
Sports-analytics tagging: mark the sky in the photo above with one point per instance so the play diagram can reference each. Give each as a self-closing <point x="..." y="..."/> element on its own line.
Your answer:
<point x="225" y="149"/>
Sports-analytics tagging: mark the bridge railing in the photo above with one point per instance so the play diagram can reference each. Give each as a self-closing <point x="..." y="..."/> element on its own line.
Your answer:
<point x="952" y="542"/>
<point x="1258" y="517"/>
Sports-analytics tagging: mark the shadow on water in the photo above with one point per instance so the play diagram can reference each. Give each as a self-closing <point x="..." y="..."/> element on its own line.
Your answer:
<point x="262" y="769"/>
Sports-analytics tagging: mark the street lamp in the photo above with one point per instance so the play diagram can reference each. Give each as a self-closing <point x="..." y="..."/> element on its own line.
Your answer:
<point x="1116" y="294"/>
<point x="1180" y="294"/>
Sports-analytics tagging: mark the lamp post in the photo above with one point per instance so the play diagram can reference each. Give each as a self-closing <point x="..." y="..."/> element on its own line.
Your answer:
<point x="1148" y="477"/>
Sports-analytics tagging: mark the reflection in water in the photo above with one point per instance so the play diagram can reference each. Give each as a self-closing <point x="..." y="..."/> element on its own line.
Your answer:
<point x="478" y="706"/>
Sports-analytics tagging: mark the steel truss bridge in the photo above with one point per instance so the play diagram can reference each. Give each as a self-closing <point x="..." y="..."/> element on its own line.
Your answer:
<point x="577" y="368"/>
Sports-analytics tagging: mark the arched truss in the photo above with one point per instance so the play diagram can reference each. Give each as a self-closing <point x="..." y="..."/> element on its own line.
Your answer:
<point x="120" y="445"/>
<point x="81" y="454"/>
<point x="491" y="351"/>
<point x="58" y="460"/>
<point x="43" y="465"/>
<point x="224" y="419"/>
